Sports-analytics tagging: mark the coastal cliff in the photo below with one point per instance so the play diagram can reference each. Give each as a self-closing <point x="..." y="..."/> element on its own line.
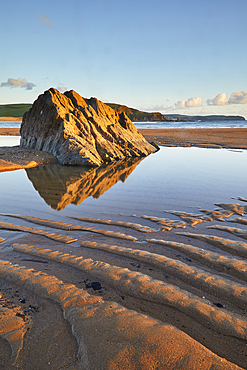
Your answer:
<point x="136" y="115"/>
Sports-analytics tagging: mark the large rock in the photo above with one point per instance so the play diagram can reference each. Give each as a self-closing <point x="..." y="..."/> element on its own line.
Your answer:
<point x="80" y="131"/>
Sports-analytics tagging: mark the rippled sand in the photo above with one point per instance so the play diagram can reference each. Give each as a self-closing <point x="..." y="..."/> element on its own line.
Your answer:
<point x="128" y="292"/>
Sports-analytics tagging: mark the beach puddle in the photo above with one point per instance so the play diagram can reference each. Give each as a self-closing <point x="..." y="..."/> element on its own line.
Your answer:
<point x="62" y="185"/>
<point x="9" y="140"/>
<point x="171" y="179"/>
<point x="130" y="264"/>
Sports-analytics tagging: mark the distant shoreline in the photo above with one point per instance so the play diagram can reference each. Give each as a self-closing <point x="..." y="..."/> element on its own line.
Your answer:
<point x="10" y="131"/>
<point x="231" y="138"/>
<point x="10" y="118"/>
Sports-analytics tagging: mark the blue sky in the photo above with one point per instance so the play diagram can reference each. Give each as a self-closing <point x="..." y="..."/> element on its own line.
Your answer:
<point x="176" y="56"/>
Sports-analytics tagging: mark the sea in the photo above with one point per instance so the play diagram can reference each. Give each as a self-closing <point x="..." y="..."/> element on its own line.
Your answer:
<point x="171" y="124"/>
<point x="10" y="124"/>
<point x="190" y="124"/>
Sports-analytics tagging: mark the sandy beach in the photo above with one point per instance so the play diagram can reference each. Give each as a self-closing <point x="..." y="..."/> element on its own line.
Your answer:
<point x="122" y="292"/>
<point x="10" y="118"/>
<point x="12" y="131"/>
<point x="234" y="138"/>
<point x="15" y="158"/>
<point x="89" y="294"/>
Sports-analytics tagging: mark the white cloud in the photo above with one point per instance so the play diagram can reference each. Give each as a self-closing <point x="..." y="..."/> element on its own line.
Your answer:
<point x="202" y="111"/>
<point x="180" y="104"/>
<point x="62" y="88"/>
<point x="45" y="20"/>
<point x="235" y="98"/>
<point x="220" y="99"/>
<point x="156" y="108"/>
<point x="238" y="98"/>
<point x="189" y="103"/>
<point x="12" y="82"/>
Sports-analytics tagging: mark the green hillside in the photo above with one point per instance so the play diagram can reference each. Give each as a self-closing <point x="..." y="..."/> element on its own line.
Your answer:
<point x="139" y="116"/>
<point x="136" y="115"/>
<point x="17" y="110"/>
<point x="14" y="110"/>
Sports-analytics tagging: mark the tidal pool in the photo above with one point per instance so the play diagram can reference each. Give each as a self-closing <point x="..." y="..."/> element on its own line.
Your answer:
<point x="173" y="178"/>
<point x="96" y="199"/>
<point x="6" y="140"/>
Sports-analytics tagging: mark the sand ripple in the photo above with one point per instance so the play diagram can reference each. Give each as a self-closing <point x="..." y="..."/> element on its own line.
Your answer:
<point x="124" y="336"/>
<point x="220" y="287"/>
<point x="205" y="298"/>
<point x="13" y="326"/>
<point x="143" y="286"/>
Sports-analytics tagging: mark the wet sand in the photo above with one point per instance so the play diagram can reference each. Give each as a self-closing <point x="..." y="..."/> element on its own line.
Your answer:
<point x="234" y="138"/>
<point x="11" y="119"/>
<point x="12" y="131"/>
<point x="91" y="294"/>
<point x="16" y="158"/>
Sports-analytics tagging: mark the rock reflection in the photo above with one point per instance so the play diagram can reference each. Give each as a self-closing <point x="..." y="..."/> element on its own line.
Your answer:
<point x="61" y="185"/>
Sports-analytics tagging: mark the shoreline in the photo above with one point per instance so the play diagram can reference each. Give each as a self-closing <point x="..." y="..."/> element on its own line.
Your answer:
<point x="229" y="138"/>
<point x="16" y="158"/>
<point x="12" y="158"/>
<point x="10" y="118"/>
<point x="9" y="131"/>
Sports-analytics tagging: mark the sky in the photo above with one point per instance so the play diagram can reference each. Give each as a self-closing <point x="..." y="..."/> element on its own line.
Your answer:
<point x="171" y="56"/>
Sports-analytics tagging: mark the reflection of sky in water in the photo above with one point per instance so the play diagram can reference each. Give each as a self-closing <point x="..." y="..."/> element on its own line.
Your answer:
<point x="173" y="178"/>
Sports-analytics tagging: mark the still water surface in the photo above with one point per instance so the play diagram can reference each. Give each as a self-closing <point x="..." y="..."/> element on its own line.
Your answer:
<point x="173" y="178"/>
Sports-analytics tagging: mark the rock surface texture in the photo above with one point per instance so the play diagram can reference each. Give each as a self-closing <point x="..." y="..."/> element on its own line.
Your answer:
<point x="80" y="131"/>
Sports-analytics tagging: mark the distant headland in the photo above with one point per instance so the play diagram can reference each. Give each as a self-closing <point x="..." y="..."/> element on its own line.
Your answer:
<point x="136" y="115"/>
<point x="16" y="111"/>
<point x="13" y="110"/>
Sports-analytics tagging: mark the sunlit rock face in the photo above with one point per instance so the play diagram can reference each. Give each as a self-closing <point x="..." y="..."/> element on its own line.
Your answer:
<point x="80" y="131"/>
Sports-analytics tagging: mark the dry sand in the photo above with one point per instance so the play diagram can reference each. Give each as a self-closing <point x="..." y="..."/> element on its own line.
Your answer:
<point x="91" y="294"/>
